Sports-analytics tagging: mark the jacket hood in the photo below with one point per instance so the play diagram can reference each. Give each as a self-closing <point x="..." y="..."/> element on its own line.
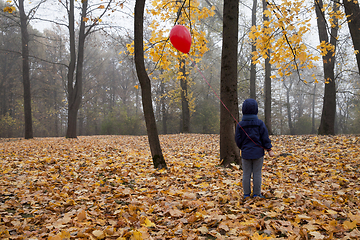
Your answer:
<point x="250" y="106"/>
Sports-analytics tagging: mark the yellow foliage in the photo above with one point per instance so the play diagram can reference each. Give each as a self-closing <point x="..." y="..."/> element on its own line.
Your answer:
<point x="283" y="33"/>
<point x="10" y="9"/>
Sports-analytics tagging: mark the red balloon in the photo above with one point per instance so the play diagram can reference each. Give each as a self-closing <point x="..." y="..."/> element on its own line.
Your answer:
<point x="180" y="38"/>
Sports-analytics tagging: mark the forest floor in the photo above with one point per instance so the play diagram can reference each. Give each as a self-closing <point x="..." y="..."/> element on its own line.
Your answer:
<point x="105" y="187"/>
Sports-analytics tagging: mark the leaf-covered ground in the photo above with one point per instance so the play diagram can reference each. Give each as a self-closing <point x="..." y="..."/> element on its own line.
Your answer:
<point x="105" y="187"/>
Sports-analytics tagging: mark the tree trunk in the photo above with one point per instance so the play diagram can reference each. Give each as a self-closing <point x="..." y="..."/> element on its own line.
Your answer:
<point x="313" y="130"/>
<point x="185" y="128"/>
<point x="75" y="90"/>
<point x="163" y="108"/>
<point x="327" y="123"/>
<point x="352" y="12"/>
<point x="267" y="84"/>
<point x="288" y="107"/>
<point x="253" y="49"/>
<point x="155" y="148"/>
<point x="228" y="150"/>
<point x="26" y="71"/>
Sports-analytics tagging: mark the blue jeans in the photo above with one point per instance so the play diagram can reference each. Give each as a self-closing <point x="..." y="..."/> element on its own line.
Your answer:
<point x="252" y="166"/>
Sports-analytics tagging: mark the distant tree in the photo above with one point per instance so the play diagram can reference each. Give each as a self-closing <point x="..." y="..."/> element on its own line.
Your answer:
<point x="253" y="49"/>
<point x="23" y="23"/>
<point x="267" y="87"/>
<point x="288" y="104"/>
<point x="88" y="22"/>
<point x="10" y="71"/>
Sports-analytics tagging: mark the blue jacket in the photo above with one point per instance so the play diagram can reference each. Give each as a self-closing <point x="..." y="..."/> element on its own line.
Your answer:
<point x="255" y="129"/>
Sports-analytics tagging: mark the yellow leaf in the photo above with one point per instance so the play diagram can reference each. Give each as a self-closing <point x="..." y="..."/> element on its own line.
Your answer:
<point x="317" y="235"/>
<point x="349" y="225"/>
<point x="355" y="218"/>
<point x="99" y="234"/>
<point x="271" y="214"/>
<point x="302" y="217"/>
<point x="332" y="212"/>
<point x="148" y="223"/>
<point x="136" y="86"/>
<point x="136" y="235"/>
<point x="101" y="7"/>
<point x="203" y="229"/>
<point x="64" y="235"/>
<point x="175" y="212"/>
<point x="57" y="237"/>
<point x="81" y="215"/>
<point x="256" y="236"/>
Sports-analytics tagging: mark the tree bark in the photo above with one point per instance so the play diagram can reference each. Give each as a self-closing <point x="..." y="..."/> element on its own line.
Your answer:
<point x="267" y="84"/>
<point x="155" y="148"/>
<point x="228" y="150"/>
<point x="352" y="11"/>
<point x="327" y="123"/>
<point x="26" y="71"/>
<point x="253" y="49"/>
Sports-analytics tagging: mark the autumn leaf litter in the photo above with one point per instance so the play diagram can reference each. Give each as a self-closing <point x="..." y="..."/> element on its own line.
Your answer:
<point x="105" y="187"/>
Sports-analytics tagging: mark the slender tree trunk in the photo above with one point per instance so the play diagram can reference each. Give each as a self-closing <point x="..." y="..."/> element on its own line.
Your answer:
<point x="267" y="83"/>
<point x="288" y="109"/>
<point x="163" y="107"/>
<point x="155" y="148"/>
<point x="313" y="130"/>
<point x="327" y="123"/>
<point x="26" y="71"/>
<point x="228" y="150"/>
<point x="253" y="49"/>
<point x="352" y="11"/>
<point x="185" y="128"/>
<point x="75" y="90"/>
<point x="72" y="113"/>
<point x="288" y="106"/>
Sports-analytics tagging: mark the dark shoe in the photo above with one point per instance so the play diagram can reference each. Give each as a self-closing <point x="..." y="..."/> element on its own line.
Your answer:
<point x="259" y="196"/>
<point x="246" y="196"/>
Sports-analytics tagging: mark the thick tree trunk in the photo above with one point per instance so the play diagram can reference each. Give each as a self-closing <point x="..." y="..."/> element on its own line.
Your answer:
<point x="185" y="128"/>
<point x="352" y="11"/>
<point x="253" y="49"/>
<point x="228" y="150"/>
<point x="155" y="148"/>
<point x="26" y="71"/>
<point x="327" y="123"/>
<point x="267" y="84"/>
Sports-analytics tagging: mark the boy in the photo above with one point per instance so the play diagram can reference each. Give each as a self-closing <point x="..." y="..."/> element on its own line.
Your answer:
<point x="252" y="138"/>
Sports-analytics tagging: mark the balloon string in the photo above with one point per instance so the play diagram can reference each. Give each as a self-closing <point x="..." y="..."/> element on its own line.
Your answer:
<point x="237" y="122"/>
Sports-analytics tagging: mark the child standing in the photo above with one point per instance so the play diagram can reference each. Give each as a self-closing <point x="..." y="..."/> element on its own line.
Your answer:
<point x="252" y="138"/>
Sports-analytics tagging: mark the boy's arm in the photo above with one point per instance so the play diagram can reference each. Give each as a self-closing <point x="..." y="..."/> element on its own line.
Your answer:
<point x="265" y="140"/>
<point x="238" y="137"/>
